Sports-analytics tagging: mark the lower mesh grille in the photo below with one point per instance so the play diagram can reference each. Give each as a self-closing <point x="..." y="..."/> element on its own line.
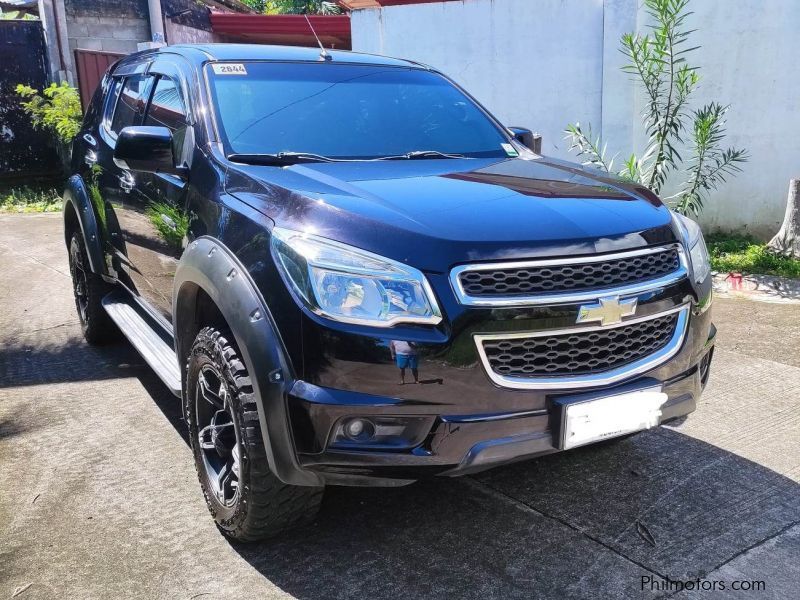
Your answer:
<point x="579" y="353"/>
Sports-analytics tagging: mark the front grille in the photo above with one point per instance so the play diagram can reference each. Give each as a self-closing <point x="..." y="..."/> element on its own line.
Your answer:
<point x="596" y="273"/>
<point x="595" y="350"/>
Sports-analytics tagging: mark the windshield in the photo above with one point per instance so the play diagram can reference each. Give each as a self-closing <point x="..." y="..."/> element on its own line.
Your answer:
<point x="347" y="111"/>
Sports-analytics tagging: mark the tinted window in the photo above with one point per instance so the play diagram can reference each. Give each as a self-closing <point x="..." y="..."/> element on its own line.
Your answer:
<point x="348" y="111"/>
<point x="111" y="101"/>
<point x="166" y="110"/>
<point x="166" y="106"/>
<point x="131" y="103"/>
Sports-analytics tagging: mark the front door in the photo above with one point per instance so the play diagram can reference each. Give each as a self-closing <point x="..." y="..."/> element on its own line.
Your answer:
<point x="163" y="222"/>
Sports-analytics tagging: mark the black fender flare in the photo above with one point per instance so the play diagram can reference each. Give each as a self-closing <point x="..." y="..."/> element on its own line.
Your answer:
<point x="76" y="199"/>
<point x="208" y="265"/>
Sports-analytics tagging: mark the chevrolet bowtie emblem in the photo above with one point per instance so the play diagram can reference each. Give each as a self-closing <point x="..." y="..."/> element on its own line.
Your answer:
<point x="607" y="311"/>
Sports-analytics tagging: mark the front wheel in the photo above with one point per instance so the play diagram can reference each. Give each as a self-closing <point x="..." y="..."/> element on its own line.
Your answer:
<point x="248" y="502"/>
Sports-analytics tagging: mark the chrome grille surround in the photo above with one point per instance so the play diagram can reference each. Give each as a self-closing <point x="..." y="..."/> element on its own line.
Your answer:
<point x="567" y="295"/>
<point x="586" y="380"/>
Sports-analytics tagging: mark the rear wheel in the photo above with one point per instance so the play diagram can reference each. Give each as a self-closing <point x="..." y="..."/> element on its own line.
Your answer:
<point x="248" y="502"/>
<point x="89" y="289"/>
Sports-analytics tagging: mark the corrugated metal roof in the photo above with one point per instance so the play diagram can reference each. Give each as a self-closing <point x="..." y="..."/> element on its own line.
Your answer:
<point x="292" y="30"/>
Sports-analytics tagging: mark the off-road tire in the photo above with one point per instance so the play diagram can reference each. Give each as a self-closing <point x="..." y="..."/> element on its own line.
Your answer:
<point x="89" y="290"/>
<point x="264" y="506"/>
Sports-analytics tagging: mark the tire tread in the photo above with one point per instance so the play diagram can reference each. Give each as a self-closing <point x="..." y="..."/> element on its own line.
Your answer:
<point x="267" y="506"/>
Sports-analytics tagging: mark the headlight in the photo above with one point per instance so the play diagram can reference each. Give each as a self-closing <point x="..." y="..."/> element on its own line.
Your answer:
<point x="698" y="253"/>
<point x="351" y="285"/>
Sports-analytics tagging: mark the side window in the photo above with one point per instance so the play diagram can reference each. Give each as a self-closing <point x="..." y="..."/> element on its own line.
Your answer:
<point x="111" y="101"/>
<point x="131" y="103"/>
<point x="167" y="110"/>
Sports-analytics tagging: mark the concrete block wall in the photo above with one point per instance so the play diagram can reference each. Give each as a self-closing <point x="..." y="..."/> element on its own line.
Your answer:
<point x="191" y="23"/>
<point x="107" y="25"/>
<point x="178" y="33"/>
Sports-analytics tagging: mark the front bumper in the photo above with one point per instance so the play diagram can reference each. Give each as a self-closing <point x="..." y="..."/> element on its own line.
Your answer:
<point x="469" y="423"/>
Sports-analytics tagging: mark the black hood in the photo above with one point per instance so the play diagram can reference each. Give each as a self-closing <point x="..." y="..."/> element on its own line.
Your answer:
<point x="435" y="213"/>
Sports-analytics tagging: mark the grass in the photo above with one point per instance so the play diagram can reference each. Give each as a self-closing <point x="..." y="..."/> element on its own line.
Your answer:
<point x="745" y="254"/>
<point x="28" y="199"/>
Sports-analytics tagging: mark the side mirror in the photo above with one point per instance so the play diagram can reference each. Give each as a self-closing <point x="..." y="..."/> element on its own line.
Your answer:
<point x="527" y="138"/>
<point x="148" y="149"/>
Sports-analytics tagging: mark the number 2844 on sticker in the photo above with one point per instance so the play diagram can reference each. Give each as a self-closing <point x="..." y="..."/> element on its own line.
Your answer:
<point x="229" y="69"/>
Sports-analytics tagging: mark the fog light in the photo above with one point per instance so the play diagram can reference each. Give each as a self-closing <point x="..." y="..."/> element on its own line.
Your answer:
<point x="359" y="430"/>
<point x="380" y="433"/>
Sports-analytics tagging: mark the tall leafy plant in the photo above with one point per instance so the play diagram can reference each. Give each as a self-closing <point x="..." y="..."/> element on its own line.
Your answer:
<point x="657" y="60"/>
<point x="57" y="109"/>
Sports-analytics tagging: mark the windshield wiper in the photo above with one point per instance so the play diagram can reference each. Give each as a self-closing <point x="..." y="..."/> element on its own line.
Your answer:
<point x="279" y="158"/>
<point x="419" y="154"/>
<point x="291" y="158"/>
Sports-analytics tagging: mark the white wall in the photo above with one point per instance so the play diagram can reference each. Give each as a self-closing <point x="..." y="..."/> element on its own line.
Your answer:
<point x="546" y="63"/>
<point x="534" y="68"/>
<point x="750" y="59"/>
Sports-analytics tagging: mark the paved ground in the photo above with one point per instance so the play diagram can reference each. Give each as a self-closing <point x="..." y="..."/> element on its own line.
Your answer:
<point x="98" y="496"/>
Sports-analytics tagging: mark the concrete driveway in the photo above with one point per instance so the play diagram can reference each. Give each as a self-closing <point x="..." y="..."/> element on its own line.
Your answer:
<point x="99" y="499"/>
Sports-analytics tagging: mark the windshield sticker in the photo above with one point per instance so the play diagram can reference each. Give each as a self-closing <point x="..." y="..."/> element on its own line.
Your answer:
<point x="229" y="69"/>
<point x="510" y="150"/>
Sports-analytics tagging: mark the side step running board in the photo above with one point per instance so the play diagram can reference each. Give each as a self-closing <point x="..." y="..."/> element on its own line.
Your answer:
<point x="143" y="333"/>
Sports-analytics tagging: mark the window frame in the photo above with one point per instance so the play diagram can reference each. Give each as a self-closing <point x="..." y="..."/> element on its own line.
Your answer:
<point x="119" y="74"/>
<point x="149" y="83"/>
<point x="166" y="66"/>
<point x="110" y="106"/>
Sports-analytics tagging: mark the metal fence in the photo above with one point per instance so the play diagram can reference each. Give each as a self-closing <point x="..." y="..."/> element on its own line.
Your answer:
<point x="91" y="65"/>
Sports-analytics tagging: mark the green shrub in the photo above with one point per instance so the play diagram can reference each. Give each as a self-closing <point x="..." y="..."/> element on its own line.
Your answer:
<point x="745" y="254"/>
<point x="27" y="199"/>
<point x="57" y="109"/>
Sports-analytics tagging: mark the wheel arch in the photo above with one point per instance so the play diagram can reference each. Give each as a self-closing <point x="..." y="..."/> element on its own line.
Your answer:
<point x="80" y="214"/>
<point x="209" y="271"/>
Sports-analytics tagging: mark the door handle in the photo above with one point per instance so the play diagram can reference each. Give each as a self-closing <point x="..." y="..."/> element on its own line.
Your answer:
<point x="126" y="182"/>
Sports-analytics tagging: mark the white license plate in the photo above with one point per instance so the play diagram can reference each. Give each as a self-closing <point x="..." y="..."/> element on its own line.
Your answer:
<point x="601" y="418"/>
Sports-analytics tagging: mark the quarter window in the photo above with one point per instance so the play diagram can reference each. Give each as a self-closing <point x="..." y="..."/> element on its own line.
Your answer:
<point x="111" y="101"/>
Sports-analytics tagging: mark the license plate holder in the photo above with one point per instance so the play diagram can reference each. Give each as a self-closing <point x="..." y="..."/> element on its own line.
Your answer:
<point x="588" y="418"/>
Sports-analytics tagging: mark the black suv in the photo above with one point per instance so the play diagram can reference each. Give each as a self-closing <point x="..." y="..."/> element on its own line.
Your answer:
<point x="353" y="274"/>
